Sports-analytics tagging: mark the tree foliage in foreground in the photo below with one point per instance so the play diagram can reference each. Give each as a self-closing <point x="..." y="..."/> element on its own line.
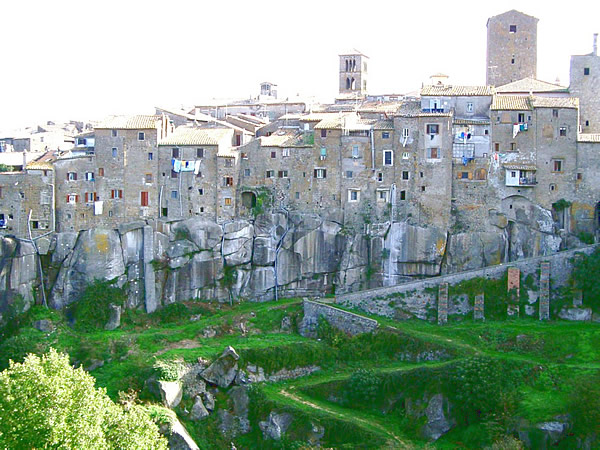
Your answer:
<point x="585" y="276"/>
<point x="46" y="403"/>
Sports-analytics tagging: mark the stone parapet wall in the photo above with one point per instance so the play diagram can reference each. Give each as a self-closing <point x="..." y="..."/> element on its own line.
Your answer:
<point x="345" y="321"/>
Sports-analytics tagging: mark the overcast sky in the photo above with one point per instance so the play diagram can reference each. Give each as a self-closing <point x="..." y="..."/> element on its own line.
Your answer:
<point x="86" y="59"/>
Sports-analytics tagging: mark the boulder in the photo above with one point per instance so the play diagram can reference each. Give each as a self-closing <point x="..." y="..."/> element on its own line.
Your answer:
<point x="206" y="234"/>
<point x="192" y="384"/>
<point x="170" y="393"/>
<point x="577" y="314"/>
<point x="276" y="425"/>
<point x="44" y="325"/>
<point x="223" y="371"/>
<point x="437" y="423"/>
<point x="199" y="411"/>
<point x="179" y="438"/>
<point x="114" y="319"/>
<point x="208" y="400"/>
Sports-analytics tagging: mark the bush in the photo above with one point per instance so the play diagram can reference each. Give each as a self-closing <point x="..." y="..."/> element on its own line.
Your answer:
<point x="46" y="403"/>
<point x="363" y="387"/>
<point x="584" y="405"/>
<point x="92" y="311"/>
<point x="586" y="272"/>
<point x="169" y="370"/>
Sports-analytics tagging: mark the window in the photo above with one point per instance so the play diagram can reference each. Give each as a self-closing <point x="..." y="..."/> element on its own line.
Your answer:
<point x="496" y="146"/>
<point x="227" y="201"/>
<point x="89" y="176"/>
<point x="174" y="174"/>
<point x="72" y="199"/>
<point x="141" y="136"/>
<point x="355" y="153"/>
<point x="150" y="156"/>
<point x="199" y="153"/>
<point x="320" y="173"/>
<point x="44" y="198"/>
<point x="144" y="198"/>
<point x="200" y="191"/>
<point x="512" y="60"/>
<point x="174" y="194"/>
<point x="579" y="176"/>
<point x="227" y="181"/>
<point x="405" y="155"/>
<point x="101" y="171"/>
<point x="405" y="132"/>
<point x="113" y="133"/>
<point x="323" y="153"/>
<point x="557" y="165"/>
<point x="244" y="155"/>
<point x="382" y="195"/>
<point x="521" y="117"/>
<point x="422" y="188"/>
<point x="297" y="195"/>
<point x="433" y="129"/>
<point x="379" y="176"/>
<point x="555" y="113"/>
<point x="405" y="175"/>
<point x="285" y="152"/>
<point x="553" y="187"/>
<point x="246" y="172"/>
<point x="402" y="195"/>
<point x="71" y="176"/>
<point x="323" y="133"/>
<point x="175" y="152"/>
<point x="228" y="162"/>
<point x="562" y="131"/>
<point x="114" y="152"/>
<point x="353" y="195"/>
<point x="470" y="107"/>
<point x="269" y="174"/>
<point x="90" y="197"/>
<point x="586" y="70"/>
<point x="349" y="174"/>
<point x="464" y="175"/>
<point x="388" y="158"/>
<point x="385" y="135"/>
<point x="434" y="153"/>
<point x="513" y="146"/>
<point x="486" y="132"/>
<point x="512" y="29"/>
<point x="273" y="154"/>
<point x="148" y="178"/>
<point x="513" y="174"/>
<point x="282" y="174"/>
<point x="116" y="193"/>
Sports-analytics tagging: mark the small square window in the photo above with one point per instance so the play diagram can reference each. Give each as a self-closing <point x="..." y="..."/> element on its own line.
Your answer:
<point x="353" y="195"/>
<point x="173" y="194"/>
<point x="228" y="162"/>
<point x="355" y="153"/>
<point x="285" y="152"/>
<point x="470" y="107"/>
<point x="586" y="70"/>
<point x="433" y="129"/>
<point x="141" y="136"/>
<point x="405" y="174"/>
<point x="349" y="174"/>
<point x="579" y="176"/>
<point x="553" y="187"/>
<point x="113" y="133"/>
<point x="402" y="195"/>
<point x="557" y="165"/>
<point x="200" y="191"/>
<point x="555" y="113"/>
<point x="464" y="175"/>
<point x="422" y="188"/>
<point x="388" y="158"/>
<point x="323" y="133"/>
<point x="114" y="152"/>
<point x="562" y="131"/>
<point x="379" y="176"/>
<point x="148" y="178"/>
<point x="246" y="172"/>
<point x="405" y="155"/>
<point x="101" y="171"/>
<point x="405" y="132"/>
<point x="150" y="156"/>
<point x="512" y="29"/>
<point x="282" y="174"/>
<point x="199" y="153"/>
<point x="385" y="135"/>
<point x="227" y="201"/>
<point x="273" y="154"/>
<point x="175" y="152"/>
<point x="297" y="195"/>
<point x="269" y="173"/>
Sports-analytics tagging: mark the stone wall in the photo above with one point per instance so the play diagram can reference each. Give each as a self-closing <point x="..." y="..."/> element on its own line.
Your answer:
<point x="419" y="298"/>
<point x="345" y="321"/>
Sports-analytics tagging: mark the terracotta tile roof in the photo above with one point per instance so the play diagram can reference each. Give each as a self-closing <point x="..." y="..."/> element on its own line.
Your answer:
<point x="588" y="137"/>
<point x="39" y="165"/>
<point x="510" y="103"/>
<point x="278" y="140"/>
<point x="555" y="102"/>
<point x="530" y="84"/>
<point x="458" y="91"/>
<point x="351" y="52"/>
<point x="138" y="122"/>
<point x="196" y="136"/>
<point x="317" y="117"/>
<point x="517" y="166"/>
<point x="383" y="125"/>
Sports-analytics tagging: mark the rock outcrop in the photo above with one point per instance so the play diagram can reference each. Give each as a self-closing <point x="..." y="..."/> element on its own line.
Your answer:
<point x="223" y="371"/>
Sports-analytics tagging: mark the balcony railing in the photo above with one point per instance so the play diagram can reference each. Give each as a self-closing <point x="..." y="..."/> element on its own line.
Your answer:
<point x="531" y="181"/>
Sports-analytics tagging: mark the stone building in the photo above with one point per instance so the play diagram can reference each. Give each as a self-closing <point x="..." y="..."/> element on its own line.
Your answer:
<point x="196" y="174"/>
<point x="353" y="74"/>
<point x="585" y="85"/>
<point x="511" y="48"/>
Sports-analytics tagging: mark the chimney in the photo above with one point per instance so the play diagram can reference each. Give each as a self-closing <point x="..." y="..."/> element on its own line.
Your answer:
<point x="595" y="52"/>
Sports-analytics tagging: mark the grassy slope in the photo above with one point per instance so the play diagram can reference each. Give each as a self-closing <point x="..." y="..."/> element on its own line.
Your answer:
<point x="566" y="351"/>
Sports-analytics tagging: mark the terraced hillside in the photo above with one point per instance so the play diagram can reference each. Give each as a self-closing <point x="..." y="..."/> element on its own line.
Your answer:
<point x="409" y="384"/>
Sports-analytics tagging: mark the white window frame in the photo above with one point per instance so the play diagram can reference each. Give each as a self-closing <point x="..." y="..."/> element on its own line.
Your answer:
<point x="72" y="199"/>
<point x="405" y="132"/>
<point x="405" y="155"/>
<point x="270" y="174"/>
<point x="89" y="176"/>
<point x="355" y="152"/>
<point x="391" y="152"/>
<point x="470" y="107"/>
<point x="141" y="135"/>
<point x="386" y="198"/>
<point x="71" y="176"/>
<point x="321" y="171"/>
<point x="428" y="154"/>
<point x="355" y="192"/>
<point x="285" y="152"/>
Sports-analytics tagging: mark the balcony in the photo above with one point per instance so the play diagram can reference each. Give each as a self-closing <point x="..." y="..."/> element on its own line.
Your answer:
<point x="434" y="110"/>
<point x="531" y="181"/>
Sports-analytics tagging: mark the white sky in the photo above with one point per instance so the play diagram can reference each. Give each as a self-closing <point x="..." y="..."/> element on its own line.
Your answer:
<point x="85" y="59"/>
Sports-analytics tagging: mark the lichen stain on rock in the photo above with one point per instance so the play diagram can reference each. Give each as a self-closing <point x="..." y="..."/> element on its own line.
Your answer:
<point x="101" y="243"/>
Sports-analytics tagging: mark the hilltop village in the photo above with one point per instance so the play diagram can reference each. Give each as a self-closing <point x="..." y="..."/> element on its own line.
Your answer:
<point x="453" y="157"/>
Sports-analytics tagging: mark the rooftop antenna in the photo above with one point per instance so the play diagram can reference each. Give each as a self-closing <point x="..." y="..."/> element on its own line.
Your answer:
<point x="595" y="44"/>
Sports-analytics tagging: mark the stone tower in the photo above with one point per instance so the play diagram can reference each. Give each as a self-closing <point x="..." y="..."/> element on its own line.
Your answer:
<point x="353" y="73"/>
<point x="511" y="48"/>
<point x="585" y="84"/>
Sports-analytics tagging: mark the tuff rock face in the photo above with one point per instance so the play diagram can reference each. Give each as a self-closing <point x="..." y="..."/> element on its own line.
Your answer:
<point x="295" y="254"/>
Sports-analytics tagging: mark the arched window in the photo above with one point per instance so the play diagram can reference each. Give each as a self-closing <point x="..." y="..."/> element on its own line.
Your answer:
<point x="353" y="65"/>
<point x="346" y="65"/>
<point x="347" y="83"/>
<point x="353" y="84"/>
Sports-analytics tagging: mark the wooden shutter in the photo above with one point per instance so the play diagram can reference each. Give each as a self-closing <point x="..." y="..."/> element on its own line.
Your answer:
<point x="120" y="193"/>
<point x="77" y="199"/>
<point x="315" y="175"/>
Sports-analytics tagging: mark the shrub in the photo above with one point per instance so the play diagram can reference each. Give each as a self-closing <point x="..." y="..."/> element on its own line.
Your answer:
<point x="92" y="311"/>
<point x="169" y="370"/>
<point x="362" y="389"/>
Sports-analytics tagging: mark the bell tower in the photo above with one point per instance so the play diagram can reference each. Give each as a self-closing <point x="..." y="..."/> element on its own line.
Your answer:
<point x="353" y="73"/>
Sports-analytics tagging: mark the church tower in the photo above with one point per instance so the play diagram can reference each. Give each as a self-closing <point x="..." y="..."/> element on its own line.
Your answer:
<point x="353" y="73"/>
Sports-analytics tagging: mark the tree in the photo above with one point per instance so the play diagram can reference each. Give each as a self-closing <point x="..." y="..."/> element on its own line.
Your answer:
<point x="46" y="403"/>
<point x="585" y="275"/>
